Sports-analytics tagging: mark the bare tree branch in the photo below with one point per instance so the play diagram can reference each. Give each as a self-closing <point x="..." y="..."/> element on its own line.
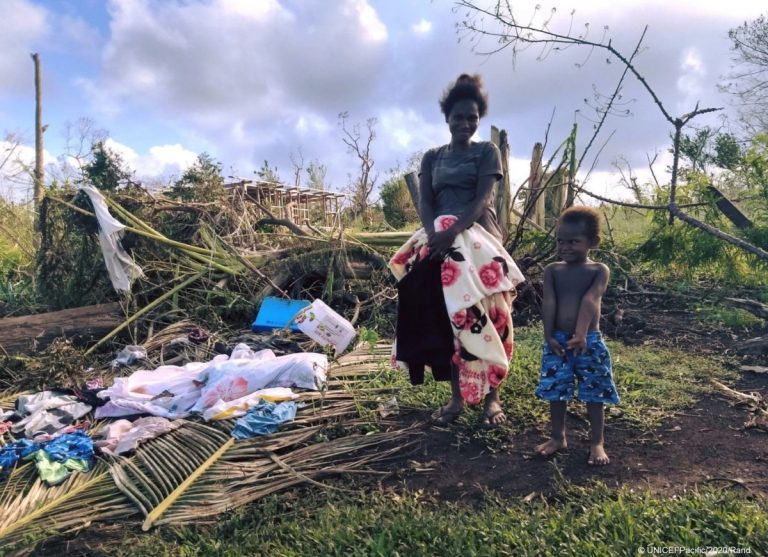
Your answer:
<point x="518" y="36"/>
<point x="362" y="186"/>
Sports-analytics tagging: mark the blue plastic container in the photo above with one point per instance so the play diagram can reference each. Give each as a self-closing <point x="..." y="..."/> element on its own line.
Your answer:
<point x="276" y="313"/>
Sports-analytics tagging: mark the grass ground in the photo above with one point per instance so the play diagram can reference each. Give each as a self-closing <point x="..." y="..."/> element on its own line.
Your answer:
<point x="571" y="517"/>
<point x="576" y="514"/>
<point x="591" y="521"/>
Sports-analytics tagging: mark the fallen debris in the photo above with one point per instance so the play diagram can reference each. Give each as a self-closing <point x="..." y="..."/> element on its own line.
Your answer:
<point x="756" y="403"/>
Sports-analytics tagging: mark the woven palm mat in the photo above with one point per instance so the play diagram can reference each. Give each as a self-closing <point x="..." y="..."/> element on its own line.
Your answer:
<point x="199" y="470"/>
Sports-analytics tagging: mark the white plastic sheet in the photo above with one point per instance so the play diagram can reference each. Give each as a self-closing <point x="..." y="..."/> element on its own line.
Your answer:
<point x="228" y="379"/>
<point x="176" y="392"/>
<point x="168" y="391"/>
<point x="121" y="268"/>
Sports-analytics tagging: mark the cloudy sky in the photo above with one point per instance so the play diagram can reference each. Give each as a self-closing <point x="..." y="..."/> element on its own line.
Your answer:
<point x="249" y="80"/>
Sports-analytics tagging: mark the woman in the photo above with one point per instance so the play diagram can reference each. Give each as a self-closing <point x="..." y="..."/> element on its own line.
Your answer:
<point x="476" y="275"/>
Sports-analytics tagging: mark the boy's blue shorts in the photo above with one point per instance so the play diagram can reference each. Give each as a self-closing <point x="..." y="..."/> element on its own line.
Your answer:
<point x="591" y="372"/>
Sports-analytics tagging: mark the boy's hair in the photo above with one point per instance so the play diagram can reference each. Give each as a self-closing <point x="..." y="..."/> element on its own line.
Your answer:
<point x="585" y="216"/>
<point x="466" y="88"/>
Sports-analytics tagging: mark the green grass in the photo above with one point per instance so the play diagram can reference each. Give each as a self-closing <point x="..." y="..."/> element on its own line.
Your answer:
<point x="17" y="291"/>
<point x="730" y="318"/>
<point x="591" y="521"/>
<point x="626" y="225"/>
<point x="653" y="383"/>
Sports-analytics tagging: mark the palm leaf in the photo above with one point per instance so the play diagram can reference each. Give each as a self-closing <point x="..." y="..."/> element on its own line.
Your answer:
<point x="198" y="471"/>
<point x="8" y="398"/>
<point x="39" y="510"/>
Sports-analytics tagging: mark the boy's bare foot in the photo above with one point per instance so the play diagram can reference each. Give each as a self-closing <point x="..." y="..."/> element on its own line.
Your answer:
<point x="447" y="414"/>
<point x="551" y="447"/>
<point x="598" y="456"/>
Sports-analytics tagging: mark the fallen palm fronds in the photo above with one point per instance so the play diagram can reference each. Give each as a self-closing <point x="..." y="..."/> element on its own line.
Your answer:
<point x="31" y="511"/>
<point x="208" y="255"/>
<point x="146" y="309"/>
<point x="755" y="403"/>
<point x="197" y="471"/>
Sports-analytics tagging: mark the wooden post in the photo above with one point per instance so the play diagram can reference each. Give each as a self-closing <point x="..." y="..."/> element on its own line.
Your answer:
<point x="534" y="204"/>
<point x="555" y="196"/>
<point x="571" y="196"/>
<point x="412" y="181"/>
<point x="39" y="191"/>
<point x="503" y="194"/>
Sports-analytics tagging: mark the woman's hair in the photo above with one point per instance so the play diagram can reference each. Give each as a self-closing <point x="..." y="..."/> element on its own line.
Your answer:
<point x="466" y="88"/>
<point x="586" y="217"/>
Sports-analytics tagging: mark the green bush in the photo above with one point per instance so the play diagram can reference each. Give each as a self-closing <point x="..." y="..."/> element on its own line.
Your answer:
<point x="397" y="205"/>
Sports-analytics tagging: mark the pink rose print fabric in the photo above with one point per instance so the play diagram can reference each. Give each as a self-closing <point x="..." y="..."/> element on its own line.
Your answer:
<point x="479" y="280"/>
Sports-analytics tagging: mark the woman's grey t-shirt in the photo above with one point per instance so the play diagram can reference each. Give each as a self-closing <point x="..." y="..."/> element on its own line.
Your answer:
<point x="455" y="176"/>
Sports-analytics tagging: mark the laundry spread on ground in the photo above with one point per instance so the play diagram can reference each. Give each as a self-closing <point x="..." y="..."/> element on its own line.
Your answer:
<point x="55" y="460"/>
<point x="254" y="386"/>
<point x="263" y="419"/>
<point x="47" y="412"/>
<point x="123" y="436"/>
<point x="179" y="391"/>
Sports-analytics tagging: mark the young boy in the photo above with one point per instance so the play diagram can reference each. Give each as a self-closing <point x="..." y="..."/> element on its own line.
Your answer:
<point x="574" y="352"/>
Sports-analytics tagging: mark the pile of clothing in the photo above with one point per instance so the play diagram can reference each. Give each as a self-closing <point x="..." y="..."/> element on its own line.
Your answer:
<point x="254" y="386"/>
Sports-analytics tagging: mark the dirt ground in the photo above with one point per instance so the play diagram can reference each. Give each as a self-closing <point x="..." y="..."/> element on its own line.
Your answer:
<point x="706" y="444"/>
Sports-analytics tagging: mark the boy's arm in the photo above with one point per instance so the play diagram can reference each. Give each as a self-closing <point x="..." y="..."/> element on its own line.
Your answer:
<point x="589" y="309"/>
<point x="549" y="311"/>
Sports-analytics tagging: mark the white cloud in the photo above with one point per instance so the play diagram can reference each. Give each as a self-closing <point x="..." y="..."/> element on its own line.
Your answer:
<point x="259" y="10"/>
<point x="22" y="26"/>
<point x="308" y="124"/>
<point x="165" y="157"/>
<point x="691" y="81"/>
<point x="406" y="131"/>
<point x="159" y="161"/>
<point x="422" y="27"/>
<point x="374" y="28"/>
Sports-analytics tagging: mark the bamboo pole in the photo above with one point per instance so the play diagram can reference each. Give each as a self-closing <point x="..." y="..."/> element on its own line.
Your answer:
<point x="149" y="307"/>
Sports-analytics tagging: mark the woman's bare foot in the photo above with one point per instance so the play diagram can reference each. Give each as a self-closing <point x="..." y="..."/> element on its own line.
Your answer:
<point x="493" y="415"/>
<point x="598" y="456"/>
<point x="551" y="447"/>
<point x="448" y="413"/>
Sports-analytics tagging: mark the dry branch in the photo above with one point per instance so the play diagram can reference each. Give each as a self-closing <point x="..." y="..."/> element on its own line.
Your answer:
<point x="758" y="345"/>
<point x="752" y="306"/>
<point x="516" y="35"/>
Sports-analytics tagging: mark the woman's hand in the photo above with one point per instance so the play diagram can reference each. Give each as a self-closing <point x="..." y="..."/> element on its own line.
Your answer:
<point x="440" y="242"/>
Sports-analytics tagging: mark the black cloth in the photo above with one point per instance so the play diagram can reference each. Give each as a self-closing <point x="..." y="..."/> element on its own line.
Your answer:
<point x="424" y="331"/>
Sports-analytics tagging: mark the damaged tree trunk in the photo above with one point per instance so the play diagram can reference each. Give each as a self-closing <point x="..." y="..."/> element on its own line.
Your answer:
<point x="28" y="333"/>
